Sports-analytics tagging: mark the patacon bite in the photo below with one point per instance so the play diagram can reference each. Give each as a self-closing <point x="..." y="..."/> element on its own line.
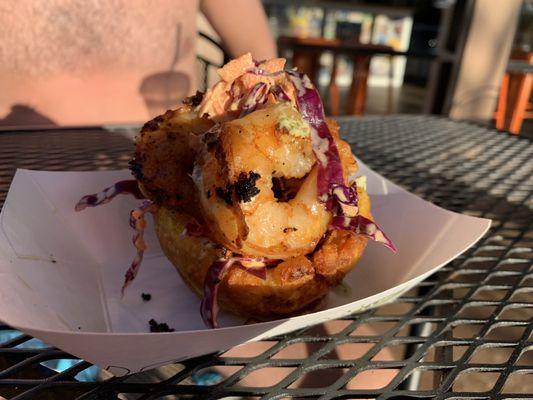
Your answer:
<point x="255" y="198"/>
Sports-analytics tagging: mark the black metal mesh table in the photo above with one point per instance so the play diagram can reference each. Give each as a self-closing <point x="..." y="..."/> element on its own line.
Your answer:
<point x="464" y="333"/>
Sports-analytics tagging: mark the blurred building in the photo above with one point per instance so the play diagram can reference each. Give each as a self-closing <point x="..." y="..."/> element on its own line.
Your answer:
<point x="446" y="56"/>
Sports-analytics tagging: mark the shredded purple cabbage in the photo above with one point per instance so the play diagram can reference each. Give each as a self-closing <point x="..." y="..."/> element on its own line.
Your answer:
<point x="258" y="95"/>
<point x="339" y="198"/>
<point x="363" y="226"/>
<point x="232" y="89"/>
<point x="255" y="95"/>
<point x="344" y="200"/>
<point x="330" y="172"/>
<point x="137" y="222"/>
<point x="276" y="90"/>
<point x="259" y="272"/>
<point x="324" y="147"/>
<point x="209" y="305"/>
<point x="279" y="93"/>
<point x="109" y="193"/>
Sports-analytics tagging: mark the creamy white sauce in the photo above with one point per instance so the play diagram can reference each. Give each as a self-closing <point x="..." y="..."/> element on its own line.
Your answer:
<point x="360" y="182"/>
<point x="371" y="229"/>
<point x="340" y="194"/>
<point x="320" y="147"/>
<point x="379" y="237"/>
<point x="299" y="85"/>
<point x="347" y="221"/>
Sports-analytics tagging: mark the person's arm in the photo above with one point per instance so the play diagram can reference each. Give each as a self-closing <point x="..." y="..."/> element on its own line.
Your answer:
<point x="242" y="25"/>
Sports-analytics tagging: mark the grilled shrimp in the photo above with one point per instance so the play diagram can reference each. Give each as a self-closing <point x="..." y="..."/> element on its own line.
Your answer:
<point x="257" y="185"/>
<point x="165" y="150"/>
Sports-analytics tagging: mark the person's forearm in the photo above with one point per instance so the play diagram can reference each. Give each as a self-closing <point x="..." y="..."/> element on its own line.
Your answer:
<point x="242" y="25"/>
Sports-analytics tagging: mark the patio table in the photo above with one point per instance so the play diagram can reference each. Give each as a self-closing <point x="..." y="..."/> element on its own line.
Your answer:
<point x="464" y="333"/>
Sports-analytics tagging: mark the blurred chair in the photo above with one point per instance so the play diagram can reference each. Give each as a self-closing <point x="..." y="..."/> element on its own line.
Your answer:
<point x="306" y="54"/>
<point x="515" y="92"/>
<point x="205" y="63"/>
<point x="350" y="32"/>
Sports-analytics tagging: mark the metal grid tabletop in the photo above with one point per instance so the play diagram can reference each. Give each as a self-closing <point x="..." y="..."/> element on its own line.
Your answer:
<point x="464" y="333"/>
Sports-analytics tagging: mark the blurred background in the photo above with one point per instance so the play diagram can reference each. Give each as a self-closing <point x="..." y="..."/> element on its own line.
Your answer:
<point x="465" y="59"/>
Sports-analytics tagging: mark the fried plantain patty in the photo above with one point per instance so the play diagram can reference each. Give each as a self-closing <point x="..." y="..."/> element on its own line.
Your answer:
<point x="165" y="150"/>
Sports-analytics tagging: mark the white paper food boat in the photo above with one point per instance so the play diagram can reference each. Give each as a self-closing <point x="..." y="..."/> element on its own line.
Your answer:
<point x="61" y="272"/>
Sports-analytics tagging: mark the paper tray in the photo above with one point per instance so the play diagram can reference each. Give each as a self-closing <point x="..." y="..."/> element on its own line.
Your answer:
<point x="61" y="272"/>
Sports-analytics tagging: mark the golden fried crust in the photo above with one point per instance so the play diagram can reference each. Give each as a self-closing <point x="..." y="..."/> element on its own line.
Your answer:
<point x="295" y="285"/>
<point x="336" y="257"/>
<point x="164" y="157"/>
<point x="192" y="256"/>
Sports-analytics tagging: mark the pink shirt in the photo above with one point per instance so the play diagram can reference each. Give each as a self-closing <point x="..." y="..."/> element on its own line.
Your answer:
<point x="80" y="62"/>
